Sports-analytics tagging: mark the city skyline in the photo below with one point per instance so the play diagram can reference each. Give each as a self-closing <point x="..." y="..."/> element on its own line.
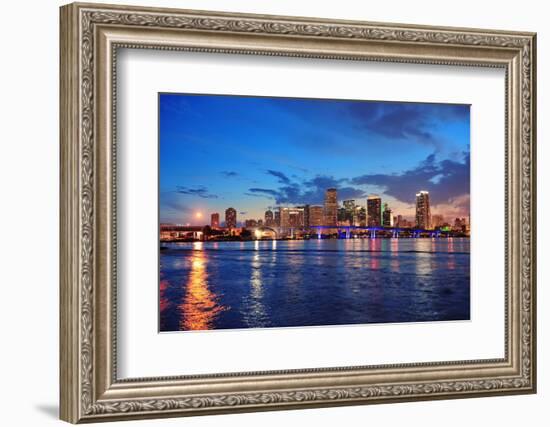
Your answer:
<point x="279" y="159"/>
<point x="372" y="213"/>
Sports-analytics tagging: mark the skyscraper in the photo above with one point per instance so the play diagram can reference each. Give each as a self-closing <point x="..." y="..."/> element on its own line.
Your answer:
<point x="268" y="217"/>
<point x="230" y="218"/>
<point x="215" y="220"/>
<point x="277" y="218"/>
<point x="342" y="216"/>
<point x="399" y="222"/>
<point x="283" y="217"/>
<point x="360" y="216"/>
<point x="315" y="215"/>
<point x="306" y="215"/>
<point x="387" y="219"/>
<point x="374" y="211"/>
<point x="423" y="215"/>
<point x="292" y="217"/>
<point x="331" y="207"/>
<point x="349" y="211"/>
<point x="296" y="217"/>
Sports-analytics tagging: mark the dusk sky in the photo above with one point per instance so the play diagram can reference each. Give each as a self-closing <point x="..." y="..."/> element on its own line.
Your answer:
<point x="252" y="153"/>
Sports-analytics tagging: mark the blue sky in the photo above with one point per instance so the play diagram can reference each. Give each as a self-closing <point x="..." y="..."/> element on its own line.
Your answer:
<point x="252" y="153"/>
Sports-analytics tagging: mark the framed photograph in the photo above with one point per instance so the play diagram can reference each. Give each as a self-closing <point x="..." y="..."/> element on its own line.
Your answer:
<point x="265" y="212"/>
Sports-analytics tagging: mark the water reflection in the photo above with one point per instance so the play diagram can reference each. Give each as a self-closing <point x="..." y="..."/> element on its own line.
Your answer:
<point x="394" y="251"/>
<point x="256" y="315"/>
<point x="200" y="307"/>
<point x="164" y="301"/>
<point x="450" y="250"/>
<point x="216" y="285"/>
<point x="374" y="248"/>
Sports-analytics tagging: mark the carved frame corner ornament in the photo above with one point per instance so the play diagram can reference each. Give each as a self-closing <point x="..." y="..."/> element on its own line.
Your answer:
<point x="90" y="37"/>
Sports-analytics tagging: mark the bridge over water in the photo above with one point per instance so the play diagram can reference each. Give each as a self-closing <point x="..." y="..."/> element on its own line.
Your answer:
<point x="344" y="231"/>
<point x="372" y="231"/>
<point x="347" y="231"/>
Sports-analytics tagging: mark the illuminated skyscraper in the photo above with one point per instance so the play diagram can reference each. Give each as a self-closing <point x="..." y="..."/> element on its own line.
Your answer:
<point x="331" y="207"/>
<point x="283" y="215"/>
<point x="315" y="215"/>
<point x="342" y="216"/>
<point x="277" y="218"/>
<point x="423" y="215"/>
<point x="292" y="217"/>
<point x="374" y="211"/>
<point x="230" y="218"/>
<point x="296" y="217"/>
<point x="306" y="215"/>
<point x="349" y="211"/>
<point x="387" y="219"/>
<point x="269" y="221"/>
<point x="360" y="216"/>
<point x="215" y="220"/>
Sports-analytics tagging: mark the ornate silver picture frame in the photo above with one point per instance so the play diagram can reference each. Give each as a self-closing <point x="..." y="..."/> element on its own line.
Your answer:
<point x="91" y="35"/>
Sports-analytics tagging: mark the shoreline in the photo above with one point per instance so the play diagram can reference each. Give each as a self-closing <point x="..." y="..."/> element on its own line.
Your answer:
<point x="303" y="240"/>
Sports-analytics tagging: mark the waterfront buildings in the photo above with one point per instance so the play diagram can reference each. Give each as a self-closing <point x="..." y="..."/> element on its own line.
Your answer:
<point x="269" y="218"/>
<point x="292" y="217"/>
<point x="277" y="218"/>
<point x="460" y="224"/>
<point x="374" y="211"/>
<point x="215" y="220"/>
<point x="331" y="207"/>
<point x="296" y="217"/>
<point x="423" y="214"/>
<point x="342" y="217"/>
<point x="250" y="223"/>
<point x="387" y="219"/>
<point x="349" y="211"/>
<point x="306" y="215"/>
<point x="399" y="221"/>
<point x="300" y="221"/>
<point x="316" y="214"/>
<point x="230" y="218"/>
<point x="437" y="221"/>
<point x="360" y="216"/>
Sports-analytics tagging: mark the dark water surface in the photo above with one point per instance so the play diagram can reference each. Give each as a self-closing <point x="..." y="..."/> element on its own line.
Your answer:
<point x="258" y="284"/>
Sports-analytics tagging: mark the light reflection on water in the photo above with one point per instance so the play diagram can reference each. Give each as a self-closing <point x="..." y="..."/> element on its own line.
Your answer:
<point x="227" y="285"/>
<point x="200" y="306"/>
<point x="256" y="316"/>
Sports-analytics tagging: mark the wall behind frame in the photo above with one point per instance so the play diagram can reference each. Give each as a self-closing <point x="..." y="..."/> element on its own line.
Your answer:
<point x="29" y="171"/>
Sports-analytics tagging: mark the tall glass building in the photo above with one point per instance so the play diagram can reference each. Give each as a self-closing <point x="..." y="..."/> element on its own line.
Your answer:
<point x="423" y="214"/>
<point x="331" y="207"/>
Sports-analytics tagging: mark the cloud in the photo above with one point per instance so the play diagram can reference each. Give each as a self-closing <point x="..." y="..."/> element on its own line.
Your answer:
<point x="173" y="203"/>
<point x="445" y="180"/>
<point x="311" y="191"/>
<point x="196" y="191"/>
<point x="264" y="191"/>
<point x="407" y="121"/>
<point x="282" y="178"/>
<point x="229" y="174"/>
<point x="456" y="207"/>
<point x="173" y="207"/>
